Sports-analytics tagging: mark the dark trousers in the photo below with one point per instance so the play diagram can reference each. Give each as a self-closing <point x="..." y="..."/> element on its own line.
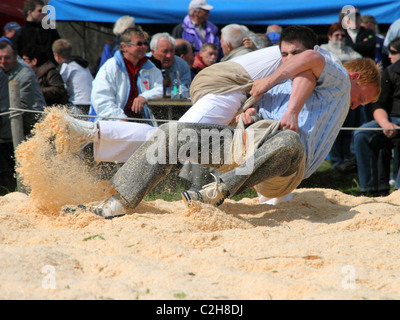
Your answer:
<point x="7" y="166"/>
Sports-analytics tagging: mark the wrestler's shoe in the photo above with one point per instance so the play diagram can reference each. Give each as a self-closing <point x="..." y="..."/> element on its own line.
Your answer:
<point x="213" y="193"/>
<point x="79" y="132"/>
<point x="111" y="207"/>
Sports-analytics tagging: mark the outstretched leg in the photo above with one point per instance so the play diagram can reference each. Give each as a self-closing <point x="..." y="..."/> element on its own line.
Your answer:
<point x="173" y="142"/>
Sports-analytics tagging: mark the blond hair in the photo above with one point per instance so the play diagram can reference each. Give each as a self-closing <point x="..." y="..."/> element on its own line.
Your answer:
<point x="370" y="73"/>
<point x="127" y="34"/>
<point x="63" y="48"/>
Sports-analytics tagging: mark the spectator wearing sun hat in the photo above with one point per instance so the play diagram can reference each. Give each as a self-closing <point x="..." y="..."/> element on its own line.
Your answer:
<point x="196" y="28"/>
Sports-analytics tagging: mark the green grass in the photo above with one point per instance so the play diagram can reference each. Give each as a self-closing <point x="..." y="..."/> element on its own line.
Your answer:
<point x="325" y="177"/>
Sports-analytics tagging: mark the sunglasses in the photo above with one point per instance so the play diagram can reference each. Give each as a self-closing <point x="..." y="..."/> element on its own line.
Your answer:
<point x="393" y="51"/>
<point x="139" y="43"/>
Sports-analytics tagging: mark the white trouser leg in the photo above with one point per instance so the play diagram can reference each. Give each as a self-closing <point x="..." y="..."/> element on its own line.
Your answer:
<point x="274" y="201"/>
<point x="119" y="140"/>
<point x="215" y="109"/>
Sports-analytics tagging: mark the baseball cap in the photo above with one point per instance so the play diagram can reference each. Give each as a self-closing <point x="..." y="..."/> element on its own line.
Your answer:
<point x="12" y="25"/>
<point x="202" y="4"/>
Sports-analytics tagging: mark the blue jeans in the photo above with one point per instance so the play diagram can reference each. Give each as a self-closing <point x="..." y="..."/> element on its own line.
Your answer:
<point x="343" y="147"/>
<point x="369" y="165"/>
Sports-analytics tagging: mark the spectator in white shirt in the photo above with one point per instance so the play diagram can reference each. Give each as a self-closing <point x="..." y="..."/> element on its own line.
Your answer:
<point x="77" y="77"/>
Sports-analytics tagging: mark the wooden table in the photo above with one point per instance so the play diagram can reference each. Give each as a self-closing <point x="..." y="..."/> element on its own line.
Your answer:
<point x="175" y="107"/>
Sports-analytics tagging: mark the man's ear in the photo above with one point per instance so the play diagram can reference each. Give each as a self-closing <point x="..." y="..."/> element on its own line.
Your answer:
<point x="29" y="14"/>
<point x="355" y="75"/>
<point x="34" y="61"/>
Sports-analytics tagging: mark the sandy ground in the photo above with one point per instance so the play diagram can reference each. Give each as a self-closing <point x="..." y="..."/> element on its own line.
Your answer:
<point x="321" y="245"/>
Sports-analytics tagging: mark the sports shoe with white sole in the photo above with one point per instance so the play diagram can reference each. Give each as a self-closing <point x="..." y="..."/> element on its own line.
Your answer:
<point x="213" y="193"/>
<point x="109" y="208"/>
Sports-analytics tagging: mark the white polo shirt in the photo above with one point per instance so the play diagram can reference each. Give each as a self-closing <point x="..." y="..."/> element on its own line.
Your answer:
<point x="78" y="82"/>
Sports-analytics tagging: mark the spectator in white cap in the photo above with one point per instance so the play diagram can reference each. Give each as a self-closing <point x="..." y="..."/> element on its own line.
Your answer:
<point x="196" y="28"/>
<point x="11" y="32"/>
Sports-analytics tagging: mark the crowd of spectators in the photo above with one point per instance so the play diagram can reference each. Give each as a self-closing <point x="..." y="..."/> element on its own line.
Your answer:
<point x="132" y="66"/>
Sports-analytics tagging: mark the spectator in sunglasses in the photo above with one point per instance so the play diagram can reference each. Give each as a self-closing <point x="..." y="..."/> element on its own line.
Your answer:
<point x="394" y="51"/>
<point x="111" y="47"/>
<point x="126" y="81"/>
<point x="392" y="33"/>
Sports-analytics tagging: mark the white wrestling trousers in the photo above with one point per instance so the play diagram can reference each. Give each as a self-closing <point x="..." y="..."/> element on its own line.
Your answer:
<point x="215" y="109"/>
<point x="119" y="140"/>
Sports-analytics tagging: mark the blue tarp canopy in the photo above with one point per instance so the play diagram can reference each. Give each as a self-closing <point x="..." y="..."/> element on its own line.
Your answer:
<point x="247" y="12"/>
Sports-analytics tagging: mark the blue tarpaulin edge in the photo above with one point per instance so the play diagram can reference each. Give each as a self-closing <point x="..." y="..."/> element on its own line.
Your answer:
<point x="248" y="12"/>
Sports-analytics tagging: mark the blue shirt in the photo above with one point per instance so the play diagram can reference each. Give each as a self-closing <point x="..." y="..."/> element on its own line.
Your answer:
<point x="4" y="38"/>
<point x="185" y="73"/>
<point x="108" y="52"/>
<point x="323" y="113"/>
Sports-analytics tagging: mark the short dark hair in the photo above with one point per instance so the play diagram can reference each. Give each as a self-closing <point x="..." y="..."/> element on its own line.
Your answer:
<point x="335" y="27"/>
<point x="395" y="43"/>
<point x="4" y="44"/>
<point x="181" y="48"/>
<point x="30" y="5"/>
<point x="35" y="52"/>
<point x="206" y="45"/>
<point x="303" y="34"/>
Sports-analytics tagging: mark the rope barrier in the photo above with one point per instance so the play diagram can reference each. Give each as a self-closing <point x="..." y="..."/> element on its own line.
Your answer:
<point x="363" y="129"/>
<point x="158" y="120"/>
<point x="5" y="113"/>
<point x="102" y="117"/>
